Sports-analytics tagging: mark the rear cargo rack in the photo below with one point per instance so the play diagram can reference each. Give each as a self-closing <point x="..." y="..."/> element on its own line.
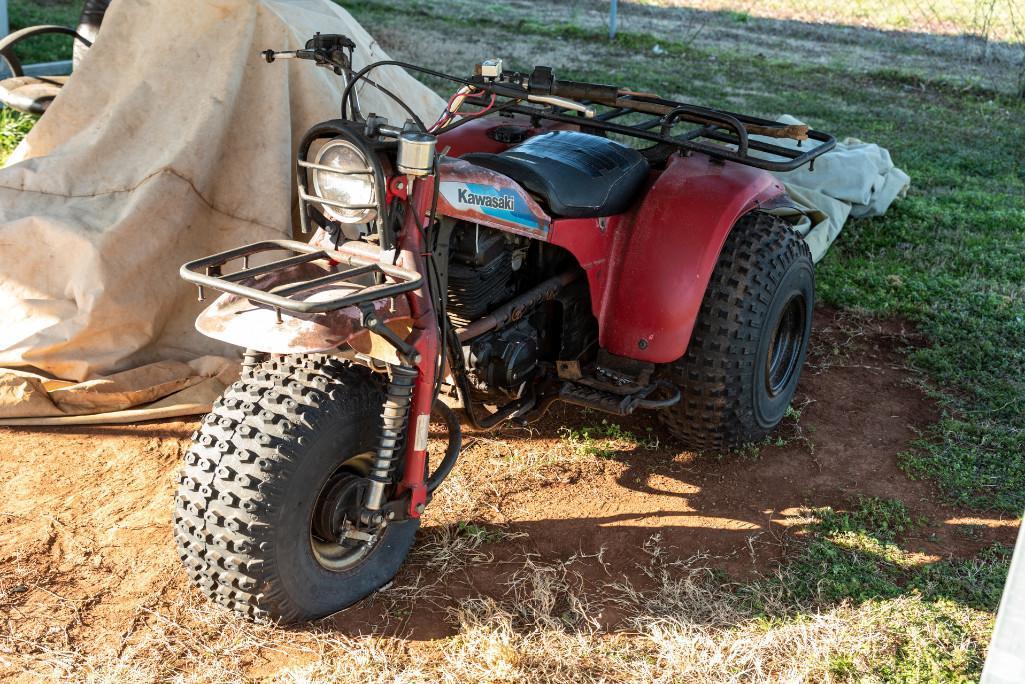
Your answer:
<point x="389" y="280"/>
<point x="719" y="134"/>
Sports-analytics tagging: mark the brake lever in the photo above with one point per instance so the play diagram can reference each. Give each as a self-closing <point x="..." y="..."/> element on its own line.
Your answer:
<point x="329" y="61"/>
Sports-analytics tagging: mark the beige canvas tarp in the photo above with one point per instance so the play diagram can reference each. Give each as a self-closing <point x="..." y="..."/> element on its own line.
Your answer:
<point x="854" y="180"/>
<point x="174" y="139"/>
<point x="166" y="389"/>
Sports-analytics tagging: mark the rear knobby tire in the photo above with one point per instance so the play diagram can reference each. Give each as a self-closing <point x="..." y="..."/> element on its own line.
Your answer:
<point x="732" y="393"/>
<point x="251" y="481"/>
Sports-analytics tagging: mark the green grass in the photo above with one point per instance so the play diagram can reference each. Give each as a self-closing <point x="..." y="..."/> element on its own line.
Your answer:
<point x="605" y="440"/>
<point x="948" y="258"/>
<point x="855" y="555"/>
<point x="943" y="618"/>
<point x="993" y="19"/>
<point x="478" y="533"/>
<point x="45" y="48"/>
<point x="13" y="127"/>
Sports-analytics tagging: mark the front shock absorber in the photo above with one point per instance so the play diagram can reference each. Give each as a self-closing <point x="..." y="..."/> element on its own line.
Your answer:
<point x="394" y="420"/>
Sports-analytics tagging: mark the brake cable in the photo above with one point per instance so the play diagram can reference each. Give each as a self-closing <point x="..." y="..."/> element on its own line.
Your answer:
<point x="361" y="75"/>
<point x="419" y="122"/>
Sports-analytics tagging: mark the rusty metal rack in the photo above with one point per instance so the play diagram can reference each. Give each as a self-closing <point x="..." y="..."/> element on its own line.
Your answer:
<point x="389" y="280"/>
<point x="724" y="135"/>
<point x="723" y="128"/>
<point x="720" y="134"/>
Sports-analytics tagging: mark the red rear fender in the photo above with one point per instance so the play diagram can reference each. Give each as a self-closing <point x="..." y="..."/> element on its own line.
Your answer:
<point x="648" y="269"/>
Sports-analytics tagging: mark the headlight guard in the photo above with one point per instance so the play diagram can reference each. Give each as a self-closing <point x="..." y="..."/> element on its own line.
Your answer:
<point x="345" y="182"/>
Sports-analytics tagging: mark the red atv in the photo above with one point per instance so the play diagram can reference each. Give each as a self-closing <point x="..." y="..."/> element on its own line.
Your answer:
<point x="519" y="251"/>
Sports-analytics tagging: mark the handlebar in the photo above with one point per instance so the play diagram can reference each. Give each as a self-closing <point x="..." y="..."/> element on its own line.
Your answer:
<point x="562" y="96"/>
<point x="542" y="82"/>
<point x="593" y="92"/>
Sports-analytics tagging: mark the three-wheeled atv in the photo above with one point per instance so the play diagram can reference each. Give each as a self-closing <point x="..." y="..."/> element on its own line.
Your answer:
<point x="544" y="240"/>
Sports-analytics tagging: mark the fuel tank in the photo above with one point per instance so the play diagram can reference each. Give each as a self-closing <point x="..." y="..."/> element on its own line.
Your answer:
<point x="479" y="195"/>
<point x="495" y="134"/>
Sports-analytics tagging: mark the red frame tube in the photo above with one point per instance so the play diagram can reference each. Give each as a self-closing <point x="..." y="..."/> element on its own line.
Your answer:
<point x="425" y="338"/>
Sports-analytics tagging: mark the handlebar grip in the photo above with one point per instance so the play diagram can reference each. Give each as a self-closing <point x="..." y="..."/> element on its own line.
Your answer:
<point x="594" y="92"/>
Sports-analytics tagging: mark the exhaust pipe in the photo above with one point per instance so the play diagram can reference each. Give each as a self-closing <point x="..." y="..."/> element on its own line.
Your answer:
<point x="516" y="307"/>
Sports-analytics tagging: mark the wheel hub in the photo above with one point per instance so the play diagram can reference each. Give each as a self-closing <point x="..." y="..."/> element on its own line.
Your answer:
<point x="338" y="540"/>
<point x="785" y="346"/>
<point x="340" y="495"/>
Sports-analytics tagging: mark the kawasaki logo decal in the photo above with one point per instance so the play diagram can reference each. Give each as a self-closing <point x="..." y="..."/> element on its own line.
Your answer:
<point x="504" y="205"/>
<point x="507" y="202"/>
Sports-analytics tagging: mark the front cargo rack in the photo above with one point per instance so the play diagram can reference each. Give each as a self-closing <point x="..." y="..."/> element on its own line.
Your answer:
<point x="389" y="280"/>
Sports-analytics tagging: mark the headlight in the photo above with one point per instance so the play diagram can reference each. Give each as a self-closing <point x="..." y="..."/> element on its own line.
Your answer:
<point x="352" y="188"/>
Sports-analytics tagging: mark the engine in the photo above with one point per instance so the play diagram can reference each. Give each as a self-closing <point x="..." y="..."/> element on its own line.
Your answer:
<point x="485" y="271"/>
<point x="505" y="359"/>
<point x="481" y="270"/>
<point x="487" y="268"/>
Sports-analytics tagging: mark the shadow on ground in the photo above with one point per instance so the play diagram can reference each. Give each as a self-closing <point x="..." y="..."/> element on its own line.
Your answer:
<point x="88" y="566"/>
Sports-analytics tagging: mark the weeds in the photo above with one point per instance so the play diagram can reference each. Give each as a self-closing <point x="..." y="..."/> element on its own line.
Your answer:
<point x="13" y="127"/>
<point x="855" y="555"/>
<point x="452" y="546"/>
<point x="606" y="440"/>
<point x="885" y="518"/>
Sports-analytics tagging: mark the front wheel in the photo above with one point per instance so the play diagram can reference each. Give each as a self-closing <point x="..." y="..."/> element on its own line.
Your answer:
<point x="750" y="339"/>
<point x="260" y="511"/>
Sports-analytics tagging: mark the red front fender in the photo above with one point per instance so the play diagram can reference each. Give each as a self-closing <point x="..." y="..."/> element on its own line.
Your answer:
<point x="648" y="269"/>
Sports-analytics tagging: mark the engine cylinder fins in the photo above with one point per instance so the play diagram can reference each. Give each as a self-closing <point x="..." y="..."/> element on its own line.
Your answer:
<point x="480" y="274"/>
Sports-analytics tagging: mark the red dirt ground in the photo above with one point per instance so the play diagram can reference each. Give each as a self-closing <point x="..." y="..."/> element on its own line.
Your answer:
<point x="85" y="522"/>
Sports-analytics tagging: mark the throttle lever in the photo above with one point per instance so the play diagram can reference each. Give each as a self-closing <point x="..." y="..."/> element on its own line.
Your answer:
<point x="563" y="103"/>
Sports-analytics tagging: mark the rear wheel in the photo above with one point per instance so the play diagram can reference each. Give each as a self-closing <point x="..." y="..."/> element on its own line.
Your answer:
<point x="261" y="513"/>
<point x="750" y="340"/>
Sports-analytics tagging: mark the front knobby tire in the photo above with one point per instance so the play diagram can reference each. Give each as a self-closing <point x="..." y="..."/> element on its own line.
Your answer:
<point x="253" y="479"/>
<point x="750" y="339"/>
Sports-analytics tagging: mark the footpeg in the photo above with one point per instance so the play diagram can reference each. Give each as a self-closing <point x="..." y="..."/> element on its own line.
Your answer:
<point x="617" y="404"/>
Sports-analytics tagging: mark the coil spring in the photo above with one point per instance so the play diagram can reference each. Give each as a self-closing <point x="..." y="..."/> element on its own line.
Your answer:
<point x="394" y="419"/>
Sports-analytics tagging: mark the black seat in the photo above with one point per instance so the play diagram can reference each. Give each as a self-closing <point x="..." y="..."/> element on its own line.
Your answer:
<point x="578" y="175"/>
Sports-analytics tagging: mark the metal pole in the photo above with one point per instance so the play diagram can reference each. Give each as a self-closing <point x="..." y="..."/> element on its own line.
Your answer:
<point x="1006" y="659"/>
<point x="612" y="19"/>
<point x="5" y="27"/>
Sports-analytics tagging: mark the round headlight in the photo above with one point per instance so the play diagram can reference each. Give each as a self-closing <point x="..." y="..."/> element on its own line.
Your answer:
<point x="352" y="187"/>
